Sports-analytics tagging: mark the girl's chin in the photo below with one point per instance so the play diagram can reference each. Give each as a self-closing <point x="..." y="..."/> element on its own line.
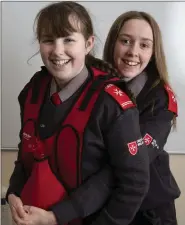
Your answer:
<point x="128" y="76"/>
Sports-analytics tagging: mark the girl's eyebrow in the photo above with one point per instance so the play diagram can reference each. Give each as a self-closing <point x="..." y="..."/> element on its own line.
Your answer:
<point x="46" y="36"/>
<point x="130" y="36"/>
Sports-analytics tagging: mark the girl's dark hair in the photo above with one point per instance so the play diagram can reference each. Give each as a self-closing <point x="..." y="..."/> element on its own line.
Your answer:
<point x="62" y="18"/>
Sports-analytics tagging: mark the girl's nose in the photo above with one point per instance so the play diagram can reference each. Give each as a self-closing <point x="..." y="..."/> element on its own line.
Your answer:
<point x="58" y="47"/>
<point x="133" y="50"/>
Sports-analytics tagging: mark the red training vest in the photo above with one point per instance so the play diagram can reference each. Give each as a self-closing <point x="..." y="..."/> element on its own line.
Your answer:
<point x="54" y="163"/>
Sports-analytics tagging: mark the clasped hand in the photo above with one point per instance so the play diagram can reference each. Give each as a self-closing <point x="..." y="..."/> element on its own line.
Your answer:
<point x="29" y="215"/>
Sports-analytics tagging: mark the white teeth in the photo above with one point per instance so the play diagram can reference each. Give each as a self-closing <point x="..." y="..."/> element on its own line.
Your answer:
<point x="131" y="63"/>
<point x="60" y="62"/>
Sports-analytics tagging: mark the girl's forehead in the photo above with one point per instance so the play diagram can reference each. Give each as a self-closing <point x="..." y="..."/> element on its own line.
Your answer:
<point x="137" y="28"/>
<point x="59" y="28"/>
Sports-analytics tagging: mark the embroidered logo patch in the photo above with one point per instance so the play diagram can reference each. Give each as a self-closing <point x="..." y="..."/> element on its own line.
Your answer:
<point x="121" y="97"/>
<point x="132" y="147"/>
<point x="172" y="103"/>
<point x="154" y="144"/>
<point x="147" y="139"/>
<point x="26" y="136"/>
<point x="140" y="142"/>
<point x="150" y="140"/>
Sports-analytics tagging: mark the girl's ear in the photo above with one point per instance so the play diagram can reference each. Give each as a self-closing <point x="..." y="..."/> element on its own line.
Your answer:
<point x="89" y="44"/>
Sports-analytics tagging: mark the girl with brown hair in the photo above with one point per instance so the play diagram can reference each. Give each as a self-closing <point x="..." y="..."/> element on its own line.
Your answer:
<point x="134" y="47"/>
<point x="75" y="120"/>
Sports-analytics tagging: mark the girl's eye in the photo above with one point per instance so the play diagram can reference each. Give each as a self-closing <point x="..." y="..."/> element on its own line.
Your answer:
<point x="68" y="40"/>
<point x="144" y="45"/>
<point x="126" y="41"/>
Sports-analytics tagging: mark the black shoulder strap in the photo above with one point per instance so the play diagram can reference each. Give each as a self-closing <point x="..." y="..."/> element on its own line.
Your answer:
<point x="36" y="85"/>
<point x="95" y="85"/>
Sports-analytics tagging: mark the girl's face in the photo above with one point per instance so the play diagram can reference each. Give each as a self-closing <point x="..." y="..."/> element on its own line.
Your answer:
<point x="64" y="57"/>
<point x="133" y="48"/>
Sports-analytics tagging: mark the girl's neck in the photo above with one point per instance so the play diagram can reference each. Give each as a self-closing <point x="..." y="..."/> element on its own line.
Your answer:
<point x="137" y="83"/>
<point x="61" y="83"/>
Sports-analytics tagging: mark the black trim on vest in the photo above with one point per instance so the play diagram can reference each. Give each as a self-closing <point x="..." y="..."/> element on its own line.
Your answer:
<point x="37" y="84"/>
<point x="42" y="159"/>
<point x="35" y="93"/>
<point x="95" y="85"/>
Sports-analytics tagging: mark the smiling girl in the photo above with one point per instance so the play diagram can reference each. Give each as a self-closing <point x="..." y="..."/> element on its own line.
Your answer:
<point x="75" y="119"/>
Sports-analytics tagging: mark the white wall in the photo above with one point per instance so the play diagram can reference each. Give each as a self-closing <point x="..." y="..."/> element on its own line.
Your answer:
<point x="174" y="36"/>
<point x="18" y="46"/>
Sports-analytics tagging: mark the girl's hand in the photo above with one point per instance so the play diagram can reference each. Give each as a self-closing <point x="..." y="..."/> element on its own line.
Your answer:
<point x="17" y="210"/>
<point x="37" y="216"/>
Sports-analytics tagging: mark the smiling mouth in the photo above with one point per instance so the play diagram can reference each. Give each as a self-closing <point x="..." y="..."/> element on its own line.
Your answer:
<point x="130" y="63"/>
<point x="60" y="63"/>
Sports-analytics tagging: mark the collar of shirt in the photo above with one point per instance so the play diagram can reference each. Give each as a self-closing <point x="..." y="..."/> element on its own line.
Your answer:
<point x="71" y="87"/>
<point x="137" y="84"/>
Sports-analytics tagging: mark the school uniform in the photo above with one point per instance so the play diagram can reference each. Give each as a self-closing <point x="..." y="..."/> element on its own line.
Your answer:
<point x="56" y="137"/>
<point x="157" y="107"/>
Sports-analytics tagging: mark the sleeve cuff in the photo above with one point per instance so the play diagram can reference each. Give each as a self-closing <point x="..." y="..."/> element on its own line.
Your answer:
<point x="64" y="212"/>
<point x="11" y="192"/>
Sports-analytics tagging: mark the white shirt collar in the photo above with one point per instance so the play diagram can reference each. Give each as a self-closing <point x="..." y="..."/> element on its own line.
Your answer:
<point x="71" y="87"/>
